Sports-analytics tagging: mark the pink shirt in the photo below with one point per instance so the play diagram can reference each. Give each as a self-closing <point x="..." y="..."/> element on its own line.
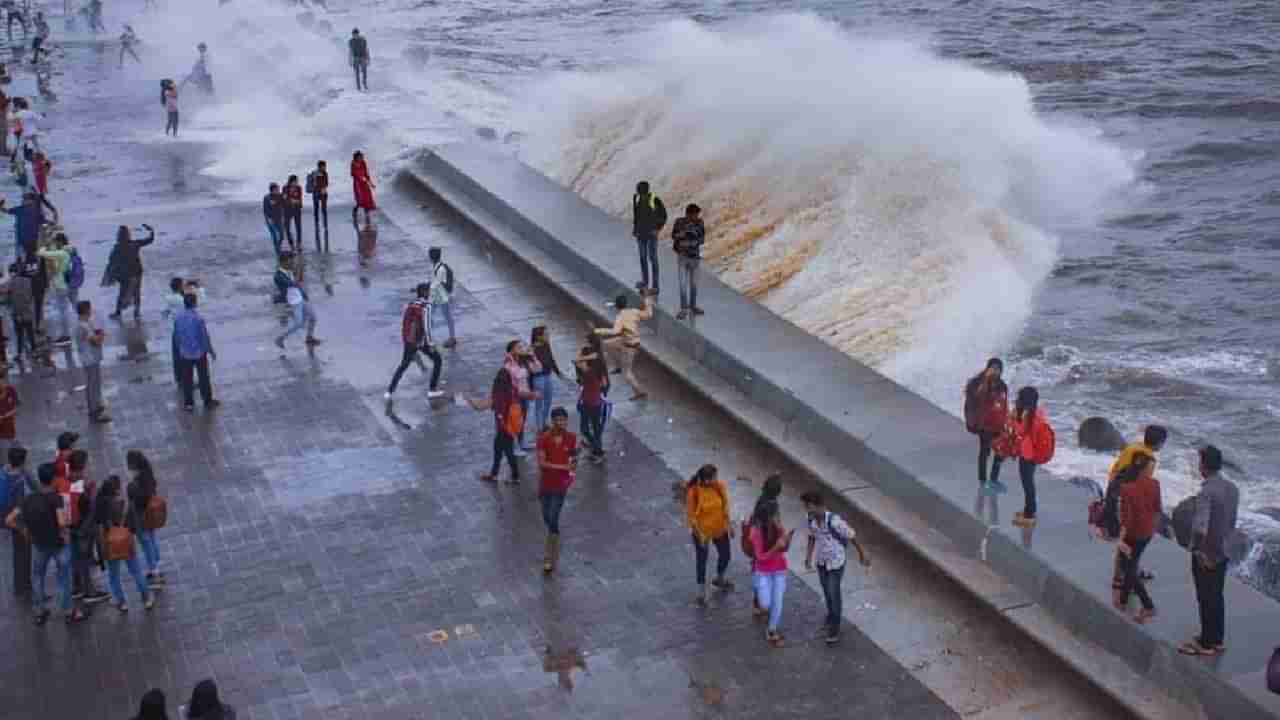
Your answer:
<point x="766" y="562"/>
<point x="519" y="373"/>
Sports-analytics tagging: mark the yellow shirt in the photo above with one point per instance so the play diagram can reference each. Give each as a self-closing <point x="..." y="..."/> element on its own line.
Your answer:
<point x="1127" y="457"/>
<point x="708" y="508"/>
<point x="627" y="324"/>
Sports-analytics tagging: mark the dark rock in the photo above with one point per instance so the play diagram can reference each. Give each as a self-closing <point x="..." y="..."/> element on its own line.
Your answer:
<point x="416" y="55"/>
<point x="1097" y="433"/>
<point x="487" y="133"/>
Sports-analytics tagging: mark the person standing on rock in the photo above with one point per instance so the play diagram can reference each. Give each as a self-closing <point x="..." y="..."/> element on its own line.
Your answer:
<point x="415" y="333"/>
<point x="557" y="463"/>
<point x="706" y="504"/>
<point x="362" y="184"/>
<point x="1217" y="508"/>
<point x="687" y="236"/>
<point x="318" y="188"/>
<point x="986" y="410"/>
<point x="648" y="216"/>
<point x="195" y="349"/>
<point x="273" y="209"/>
<point x="623" y="339"/>
<point x="358" y="48"/>
<point x="442" y="291"/>
<point x="293" y="213"/>
<point x="125" y="267"/>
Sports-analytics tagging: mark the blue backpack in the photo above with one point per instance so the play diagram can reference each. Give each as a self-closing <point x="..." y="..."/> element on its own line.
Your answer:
<point x="74" y="274"/>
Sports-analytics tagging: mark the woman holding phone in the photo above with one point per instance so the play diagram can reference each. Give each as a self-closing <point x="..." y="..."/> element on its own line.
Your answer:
<point x="769" y="543"/>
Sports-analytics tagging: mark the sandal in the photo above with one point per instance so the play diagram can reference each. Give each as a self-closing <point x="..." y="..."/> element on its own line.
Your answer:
<point x="1193" y="647"/>
<point x="775" y="640"/>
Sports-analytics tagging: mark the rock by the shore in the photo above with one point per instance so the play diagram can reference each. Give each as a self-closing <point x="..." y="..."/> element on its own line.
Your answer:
<point x="1098" y="433"/>
<point x="487" y="133"/>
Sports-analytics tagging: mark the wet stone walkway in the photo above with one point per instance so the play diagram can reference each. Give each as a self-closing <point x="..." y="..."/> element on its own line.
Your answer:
<point x="328" y="559"/>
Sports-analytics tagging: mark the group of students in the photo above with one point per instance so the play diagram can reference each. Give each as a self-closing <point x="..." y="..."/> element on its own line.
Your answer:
<point x="64" y="517"/>
<point x="1130" y="511"/>
<point x="282" y="207"/>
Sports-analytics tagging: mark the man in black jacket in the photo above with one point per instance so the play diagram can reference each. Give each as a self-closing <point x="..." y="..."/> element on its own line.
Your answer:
<point x="648" y="217"/>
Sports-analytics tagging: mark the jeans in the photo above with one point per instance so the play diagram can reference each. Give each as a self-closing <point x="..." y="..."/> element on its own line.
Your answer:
<point x="504" y="446"/>
<point x="702" y="551"/>
<point x="302" y="315"/>
<point x="542" y="406"/>
<point x="113" y="578"/>
<point x="277" y="235"/>
<point x="81" y="564"/>
<point x="1132" y="578"/>
<point x="985" y="439"/>
<point x="647" y="244"/>
<point x="362" y="74"/>
<point x="293" y="217"/>
<point x="1027" y="471"/>
<point x="61" y="557"/>
<point x="24" y="330"/>
<point x="411" y="354"/>
<point x="320" y="207"/>
<point x="830" y="580"/>
<point x="150" y="549"/>
<point x="447" y="309"/>
<point x="62" y="303"/>
<point x="591" y="423"/>
<point x="21" y="563"/>
<point x="770" y="587"/>
<point x="1210" y="583"/>
<point x="552" y="504"/>
<point x="187" y="370"/>
<point x="93" y="388"/>
<point x="688" y="274"/>
<point x="171" y="124"/>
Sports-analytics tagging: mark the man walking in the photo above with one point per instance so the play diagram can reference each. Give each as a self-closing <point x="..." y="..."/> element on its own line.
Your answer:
<point x="273" y="214"/>
<point x="442" y="291"/>
<point x="89" y="341"/>
<point x="1217" y="505"/>
<point x="359" y="48"/>
<point x="318" y="187"/>
<point x="302" y="314"/>
<point x="687" y="236"/>
<point x="648" y="215"/>
<point x="828" y="536"/>
<point x="195" y="348"/>
<point x="415" y="332"/>
<point x="623" y="339"/>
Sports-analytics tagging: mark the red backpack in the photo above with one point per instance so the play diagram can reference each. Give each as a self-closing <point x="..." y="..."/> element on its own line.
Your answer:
<point x="1039" y="446"/>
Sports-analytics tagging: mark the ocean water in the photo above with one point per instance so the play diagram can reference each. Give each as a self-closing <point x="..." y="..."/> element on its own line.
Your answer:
<point x="1088" y="189"/>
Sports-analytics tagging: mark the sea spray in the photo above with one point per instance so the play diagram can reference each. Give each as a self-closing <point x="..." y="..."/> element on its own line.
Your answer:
<point x="898" y="205"/>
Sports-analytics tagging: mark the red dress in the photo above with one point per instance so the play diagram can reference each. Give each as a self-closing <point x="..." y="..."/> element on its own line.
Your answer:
<point x="362" y="185"/>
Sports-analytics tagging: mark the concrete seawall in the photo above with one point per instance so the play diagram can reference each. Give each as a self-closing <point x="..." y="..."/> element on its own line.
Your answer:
<point x="884" y="448"/>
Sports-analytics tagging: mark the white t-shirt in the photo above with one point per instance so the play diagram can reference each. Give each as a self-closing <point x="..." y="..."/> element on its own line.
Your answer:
<point x="30" y="119"/>
<point x="293" y="295"/>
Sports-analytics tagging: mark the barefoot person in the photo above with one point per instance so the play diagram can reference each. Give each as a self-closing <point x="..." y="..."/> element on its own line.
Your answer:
<point x="623" y="339"/>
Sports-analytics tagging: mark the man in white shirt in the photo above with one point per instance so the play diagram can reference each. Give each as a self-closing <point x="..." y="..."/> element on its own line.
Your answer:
<point x="300" y="311"/>
<point x="442" y="291"/>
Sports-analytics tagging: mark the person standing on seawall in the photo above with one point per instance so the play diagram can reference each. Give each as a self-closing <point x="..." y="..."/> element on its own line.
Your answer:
<point x="442" y="291"/>
<point x="648" y="216"/>
<point x="1140" y="509"/>
<point x="986" y="408"/>
<point x="293" y="213"/>
<point x="687" y="236"/>
<point x="362" y="184"/>
<point x="1036" y="444"/>
<point x="359" y="51"/>
<point x="1217" y="506"/>
<point x="318" y="188"/>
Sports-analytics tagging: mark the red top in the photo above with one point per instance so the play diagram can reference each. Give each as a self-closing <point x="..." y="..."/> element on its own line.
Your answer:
<point x="592" y="389"/>
<point x="559" y="448"/>
<point x="8" y="404"/>
<point x="62" y="471"/>
<point x="42" y="168"/>
<point x="1140" y="508"/>
<point x="293" y="193"/>
<point x="360" y="184"/>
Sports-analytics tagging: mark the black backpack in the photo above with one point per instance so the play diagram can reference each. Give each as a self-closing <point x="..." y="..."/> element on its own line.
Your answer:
<point x="311" y="182"/>
<point x="448" y="278"/>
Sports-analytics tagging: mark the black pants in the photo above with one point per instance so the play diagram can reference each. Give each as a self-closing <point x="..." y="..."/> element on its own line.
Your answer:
<point x="171" y="125"/>
<point x="504" y="446"/>
<point x="362" y="74"/>
<point x="1027" y="471"/>
<point x="411" y="354"/>
<point x="700" y="553"/>
<point x="592" y="427"/>
<point x="320" y="209"/>
<point x="130" y="293"/>
<point x="24" y="329"/>
<point x="984" y="454"/>
<point x="1211" y="583"/>
<point x="21" y="563"/>
<point x="177" y="368"/>
<point x="830" y="581"/>
<point x="37" y="295"/>
<point x="186" y="368"/>
<point x="1132" y="578"/>
<point x="81" y="562"/>
<point x="293" y="216"/>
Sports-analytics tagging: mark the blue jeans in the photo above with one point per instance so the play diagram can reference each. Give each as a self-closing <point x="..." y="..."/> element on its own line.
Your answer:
<point x="830" y="580"/>
<point x="61" y="558"/>
<point x="770" y="587"/>
<point x="113" y="578"/>
<point x="647" y="244"/>
<point x="542" y="406"/>
<point x="447" y="309"/>
<point x="150" y="549"/>
<point x="552" y="504"/>
<point x="277" y="235"/>
<point x="302" y="315"/>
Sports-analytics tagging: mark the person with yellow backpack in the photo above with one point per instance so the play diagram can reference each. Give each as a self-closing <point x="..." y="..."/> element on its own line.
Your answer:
<point x="707" y="505"/>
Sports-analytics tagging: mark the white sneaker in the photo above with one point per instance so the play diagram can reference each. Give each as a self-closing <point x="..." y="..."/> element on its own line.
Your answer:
<point x="519" y="452"/>
<point x="433" y="394"/>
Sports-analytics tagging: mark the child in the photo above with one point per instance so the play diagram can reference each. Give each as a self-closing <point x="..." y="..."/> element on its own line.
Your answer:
<point x="557" y="459"/>
<point x="828" y="536"/>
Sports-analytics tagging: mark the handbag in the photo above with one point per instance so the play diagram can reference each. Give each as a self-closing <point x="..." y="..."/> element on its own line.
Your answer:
<point x="118" y="543"/>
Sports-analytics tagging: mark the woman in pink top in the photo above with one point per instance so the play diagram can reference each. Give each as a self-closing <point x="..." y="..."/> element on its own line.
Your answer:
<point x="521" y="363"/>
<point x="769" y="543"/>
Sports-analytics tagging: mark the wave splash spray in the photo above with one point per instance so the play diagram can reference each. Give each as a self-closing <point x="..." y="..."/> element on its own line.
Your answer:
<point x="897" y="205"/>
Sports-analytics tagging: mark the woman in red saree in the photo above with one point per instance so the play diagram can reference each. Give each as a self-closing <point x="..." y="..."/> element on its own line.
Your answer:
<point x="363" y="186"/>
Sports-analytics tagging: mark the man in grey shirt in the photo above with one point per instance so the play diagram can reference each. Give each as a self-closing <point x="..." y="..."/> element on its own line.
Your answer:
<point x="89" y="340"/>
<point x="1215" y="520"/>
